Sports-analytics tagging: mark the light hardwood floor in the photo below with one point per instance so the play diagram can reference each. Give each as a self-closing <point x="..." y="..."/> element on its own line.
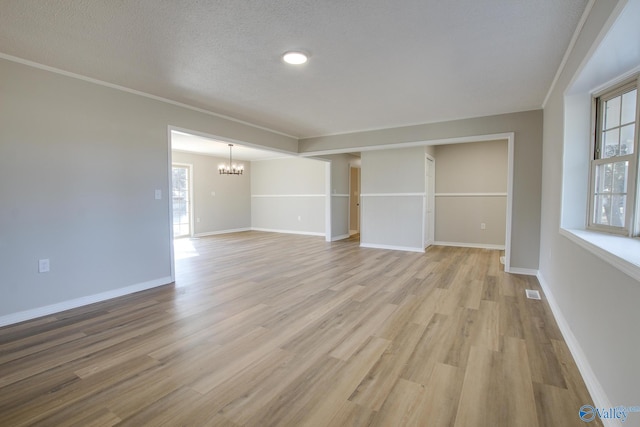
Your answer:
<point x="267" y="329"/>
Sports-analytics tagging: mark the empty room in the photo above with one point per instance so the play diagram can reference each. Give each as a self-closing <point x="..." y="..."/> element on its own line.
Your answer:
<point x="288" y="213"/>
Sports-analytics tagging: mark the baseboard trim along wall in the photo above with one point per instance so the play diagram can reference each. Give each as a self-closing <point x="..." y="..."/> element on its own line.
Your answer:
<point x="393" y="194"/>
<point x="470" y="245"/>
<point x="523" y="271"/>
<point x="286" y="195"/>
<point x="342" y="237"/>
<point x="470" y="194"/>
<point x="391" y="247"/>
<point x="213" y="233"/>
<point x="22" y="316"/>
<point x="304" y="233"/>
<point x="600" y="399"/>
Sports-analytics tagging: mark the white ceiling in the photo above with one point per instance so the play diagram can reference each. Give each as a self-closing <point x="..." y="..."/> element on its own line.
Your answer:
<point x="374" y="63"/>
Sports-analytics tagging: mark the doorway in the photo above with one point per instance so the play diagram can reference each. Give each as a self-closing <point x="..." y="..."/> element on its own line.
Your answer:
<point x="354" y="200"/>
<point x="181" y="200"/>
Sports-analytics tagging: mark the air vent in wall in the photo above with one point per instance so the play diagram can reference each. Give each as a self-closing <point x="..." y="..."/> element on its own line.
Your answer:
<point x="531" y="294"/>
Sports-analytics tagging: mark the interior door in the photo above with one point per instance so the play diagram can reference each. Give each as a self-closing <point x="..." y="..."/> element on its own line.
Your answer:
<point x="354" y="200"/>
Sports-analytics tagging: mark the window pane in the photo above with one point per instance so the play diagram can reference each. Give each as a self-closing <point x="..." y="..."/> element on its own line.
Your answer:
<point x="602" y="209"/>
<point x="610" y="199"/>
<point x="611" y="143"/>
<point x="604" y="178"/>
<point x="610" y="210"/>
<point x="626" y="139"/>
<point x="618" y="209"/>
<point x="629" y="106"/>
<point x="612" y="112"/>
<point x="601" y="179"/>
<point x="620" y="172"/>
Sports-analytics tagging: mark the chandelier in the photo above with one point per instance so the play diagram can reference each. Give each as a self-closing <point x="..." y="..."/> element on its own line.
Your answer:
<point x="231" y="168"/>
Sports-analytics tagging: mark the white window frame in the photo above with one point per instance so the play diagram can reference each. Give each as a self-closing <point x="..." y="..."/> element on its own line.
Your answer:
<point x="632" y="211"/>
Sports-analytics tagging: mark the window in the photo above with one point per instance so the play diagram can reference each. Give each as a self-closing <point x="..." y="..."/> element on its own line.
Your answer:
<point x="614" y="165"/>
<point x="181" y="192"/>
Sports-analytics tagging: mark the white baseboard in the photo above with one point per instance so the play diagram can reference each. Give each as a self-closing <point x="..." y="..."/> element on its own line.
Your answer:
<point x="344" y="236"/>
<point x="524" y="271"/>
<point x="22" y="316"/>
<point x="352" y="232"/>
<point x="213" y="233"/>
<point x="391" y="247"/>
<point x="304" y="233"/>
<point x="600" y="399"/>
<point x="470" y="245"/>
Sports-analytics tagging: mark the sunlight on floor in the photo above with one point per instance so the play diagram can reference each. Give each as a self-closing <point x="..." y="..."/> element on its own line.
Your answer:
<point x="183" y="248"/>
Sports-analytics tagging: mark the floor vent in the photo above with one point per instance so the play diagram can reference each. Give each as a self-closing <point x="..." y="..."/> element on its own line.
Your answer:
<point x="502" y="260"/>
<point x="531" y="294"/>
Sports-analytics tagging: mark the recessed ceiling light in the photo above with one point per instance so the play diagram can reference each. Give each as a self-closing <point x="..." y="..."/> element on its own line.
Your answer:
<point x="295" y="57"/>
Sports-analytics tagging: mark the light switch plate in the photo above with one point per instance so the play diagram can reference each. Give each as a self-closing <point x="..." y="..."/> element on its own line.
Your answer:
<point x="43" y="266"/>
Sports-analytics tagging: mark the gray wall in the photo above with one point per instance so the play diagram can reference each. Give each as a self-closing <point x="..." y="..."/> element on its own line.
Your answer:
<point x="465" y="173"/>
<point x="527" y="126"/>
<point x="289" y="195"/>
<point x="230" y="208"/>
<point x="392" y="198"/>
<point x="79" y="166"/>
<point x="598" y="302"/>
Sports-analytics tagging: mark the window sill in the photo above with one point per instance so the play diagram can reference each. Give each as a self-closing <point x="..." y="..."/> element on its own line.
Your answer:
<point x="621" y="252"/>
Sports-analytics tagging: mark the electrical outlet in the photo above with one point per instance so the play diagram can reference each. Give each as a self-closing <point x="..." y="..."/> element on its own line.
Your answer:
<point x="483" y="226"/>
<point x="43" y="266"/>
<point x="158" y="194"/>
<point x="197" y="219"/>
<point x="299" y="218"/>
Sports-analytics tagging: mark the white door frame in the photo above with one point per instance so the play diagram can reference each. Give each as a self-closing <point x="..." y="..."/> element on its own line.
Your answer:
<point x="429" y="200"/>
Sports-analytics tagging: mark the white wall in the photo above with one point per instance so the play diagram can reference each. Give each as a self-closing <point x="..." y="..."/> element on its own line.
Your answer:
<point x="230" y="208"/>
<point x="79" y="166"/>
<point x="527" y="127"/>
<point x="597" y="302"/>
<point x="288" y="195"/>
<point x="471" y="189"/>
<point x="392" y="199"/>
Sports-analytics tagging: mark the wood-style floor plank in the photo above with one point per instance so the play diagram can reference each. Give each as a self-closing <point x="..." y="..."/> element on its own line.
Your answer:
<point x="265" y="329"/>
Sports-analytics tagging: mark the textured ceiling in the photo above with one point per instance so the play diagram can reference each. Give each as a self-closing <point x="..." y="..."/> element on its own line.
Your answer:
<point x="374" y="63"/>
